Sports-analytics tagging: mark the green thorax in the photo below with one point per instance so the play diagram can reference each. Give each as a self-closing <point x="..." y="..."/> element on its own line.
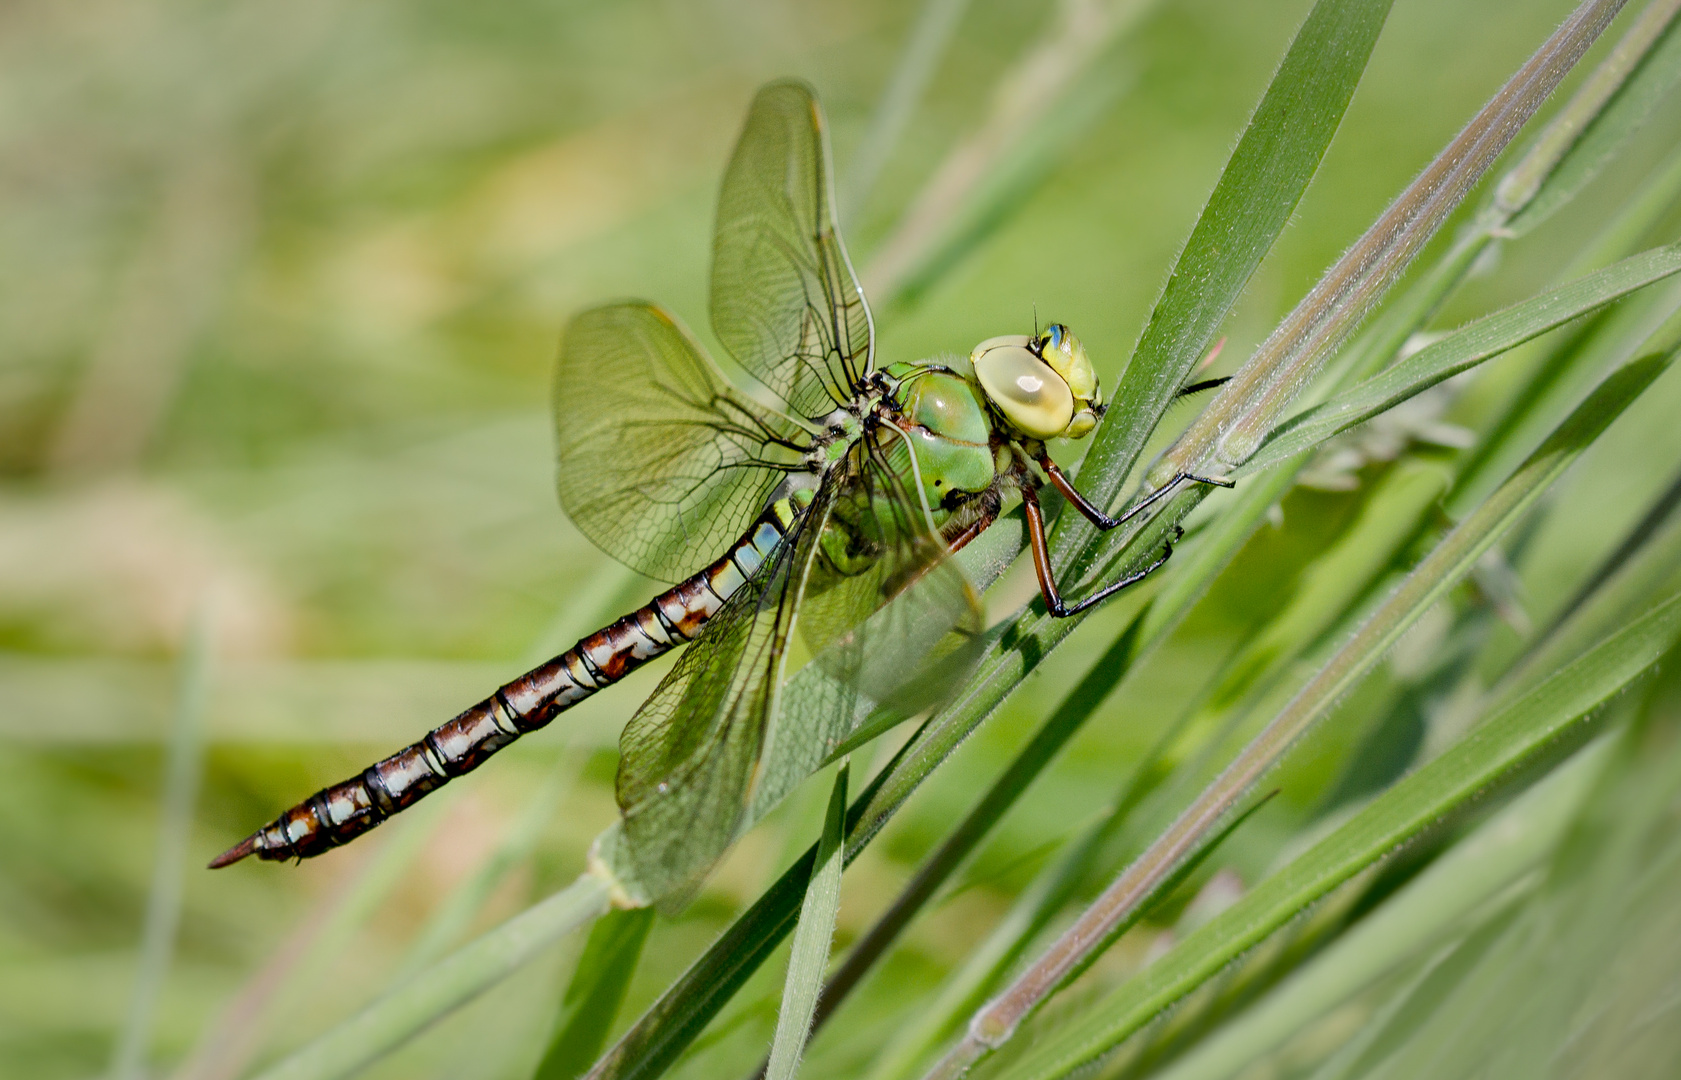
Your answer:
<point x="949" y="429"/>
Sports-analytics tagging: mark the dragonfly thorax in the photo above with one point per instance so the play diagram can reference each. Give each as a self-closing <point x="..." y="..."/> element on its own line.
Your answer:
<point x="937" y="434"/>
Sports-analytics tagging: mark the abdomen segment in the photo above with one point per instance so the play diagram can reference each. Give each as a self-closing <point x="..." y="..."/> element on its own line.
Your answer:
<point x="339" y="814"/>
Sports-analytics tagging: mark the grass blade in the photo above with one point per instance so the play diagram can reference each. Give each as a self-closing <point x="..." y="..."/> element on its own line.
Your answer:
<point x="1441" y="570"/>
<point x="1520" y="736"/>
<point x="446" y="985"/>
<point x="929" y="38"/>
<point x="1423" y="913"/>
<point x="688" y="1005"/>
<point x="1249" y="406"/>
<point x="595" y="993"/>
<point x="810" y="954"/>
<point x="1462" y="350"/>
<point x="163" y="904"/>
<point x="1610" y="106"/>
<point x="1264" y="179"/>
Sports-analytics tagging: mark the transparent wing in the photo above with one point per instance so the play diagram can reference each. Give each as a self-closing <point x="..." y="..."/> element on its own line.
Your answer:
<point x="883" y="609"/>
<point x="785" y="301"/>
<point x="886" y="608"/>
<point x="892" y="639"/>
<point x="687" y="759"/>
<point x="661" y="462"/>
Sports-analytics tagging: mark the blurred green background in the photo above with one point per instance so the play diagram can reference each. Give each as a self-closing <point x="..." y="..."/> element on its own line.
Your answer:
<point x="280" y="288"/>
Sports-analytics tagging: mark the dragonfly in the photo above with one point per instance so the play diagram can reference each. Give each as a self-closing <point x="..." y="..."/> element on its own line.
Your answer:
<point x="822" y="505"/>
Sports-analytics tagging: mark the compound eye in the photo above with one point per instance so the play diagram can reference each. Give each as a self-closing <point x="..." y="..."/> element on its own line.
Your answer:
<point x="1032" y="397"/>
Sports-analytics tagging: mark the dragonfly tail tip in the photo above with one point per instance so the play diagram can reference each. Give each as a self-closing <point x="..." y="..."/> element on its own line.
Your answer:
<point x="234" y="854"/>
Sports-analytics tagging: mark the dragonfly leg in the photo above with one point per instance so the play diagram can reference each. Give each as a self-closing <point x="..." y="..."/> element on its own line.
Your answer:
<point x="974" y="528"/>
<point x="1042" y="562"/>
<point x="1089" y="510"/>
<point x="1199" y="387"/>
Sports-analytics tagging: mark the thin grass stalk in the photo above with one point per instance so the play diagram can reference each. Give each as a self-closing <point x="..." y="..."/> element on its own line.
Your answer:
<point x="1528" y="736"/>
<point x="1083" y="30"/>
<point x="1549" y="387"/>
<point x="458" y="910"/>
<point x="182" y="773"/>
<point x="595" y="992"/>
<point x="443" y="987"/>
<point x="1414" y="921"/>
<point x="1638" y="542"/>
<point x="809" y="954"/>
<point x="670" y="1025"/>
<point x="1472" y="344"/>
<point x="929" y="38"/>
<point x="1236" y="422"/>
<point x="1518" y="188"/>
<point x="955" y="849"/>
<point x="1441" y="570"/>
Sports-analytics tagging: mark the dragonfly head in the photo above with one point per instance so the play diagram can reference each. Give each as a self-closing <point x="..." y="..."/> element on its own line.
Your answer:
<point x="1044" y="387"/>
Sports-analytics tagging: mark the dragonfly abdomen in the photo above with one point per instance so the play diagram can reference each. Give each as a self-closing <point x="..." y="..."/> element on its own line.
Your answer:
<point x="338" y="814"/>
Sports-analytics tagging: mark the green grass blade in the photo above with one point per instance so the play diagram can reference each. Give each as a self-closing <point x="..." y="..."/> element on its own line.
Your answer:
<point x="935" y="870"/>
<point x="922" y="54"/>
<point x="1483" y="339"/>
<point x="1440" y="571"/>
<point x="163" y="904"/>
<point x="1552" y="382"/>
<point x="1547" y="172"/>
<point x="458" y="910"/>
<point x="1522" y="735"/>
<point x="810" y="953"/>
<point x="662" y="1033"/>
<point x="1036" y="107"/>
<point x="1408" y="925"/>
<point x="1230" y="430"/>
<point x="1264" y="179"/>
<point x="595" y="993"/>
<point x="1618" y="99"/>
<point x="443" y="987"/>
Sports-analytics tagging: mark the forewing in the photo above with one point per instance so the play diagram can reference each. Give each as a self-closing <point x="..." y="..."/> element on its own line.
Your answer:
<point x="893" y="614"/>
<point x="688" y="759"/>
<point x="661" y="462"/>
<point x="785" y="300"/>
